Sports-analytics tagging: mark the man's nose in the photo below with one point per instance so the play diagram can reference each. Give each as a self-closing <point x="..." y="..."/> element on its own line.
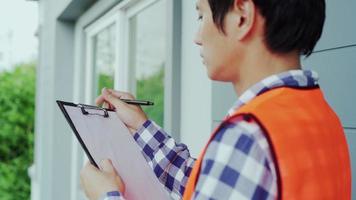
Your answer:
<point x="197" y="42"/>
<point x="197" y="39"/>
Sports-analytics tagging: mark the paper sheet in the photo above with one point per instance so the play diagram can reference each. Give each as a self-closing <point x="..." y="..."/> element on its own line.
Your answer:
<point x="109" y="138"/>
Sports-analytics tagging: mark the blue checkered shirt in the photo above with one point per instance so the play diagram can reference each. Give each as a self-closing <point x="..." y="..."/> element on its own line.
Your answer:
<point x="238" y="163"/>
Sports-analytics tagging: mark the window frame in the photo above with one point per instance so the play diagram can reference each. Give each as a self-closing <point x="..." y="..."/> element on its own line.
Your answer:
<point x="90" y="33"/>
<point x="114" y="10"/>
<point x="124" y="75"/>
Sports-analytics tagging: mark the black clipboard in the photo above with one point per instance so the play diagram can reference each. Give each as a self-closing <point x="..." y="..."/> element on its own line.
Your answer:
<point x="115" y="142"/>
<point x="84" y="108"/>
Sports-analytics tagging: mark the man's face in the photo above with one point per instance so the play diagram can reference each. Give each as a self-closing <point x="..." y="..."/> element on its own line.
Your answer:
<point x="218" y="50"/>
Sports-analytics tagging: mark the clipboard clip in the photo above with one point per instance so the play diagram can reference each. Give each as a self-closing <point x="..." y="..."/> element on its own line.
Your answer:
<point x="85" y="112"/>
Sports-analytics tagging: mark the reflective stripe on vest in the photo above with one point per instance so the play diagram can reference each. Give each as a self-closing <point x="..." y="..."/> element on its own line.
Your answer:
<point x="307" y="141"/>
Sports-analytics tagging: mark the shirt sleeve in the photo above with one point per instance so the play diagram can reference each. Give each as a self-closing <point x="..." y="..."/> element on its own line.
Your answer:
<point x="171" y="162"/>
<point x="113" y="195"/>
<point x="238" y="164"/>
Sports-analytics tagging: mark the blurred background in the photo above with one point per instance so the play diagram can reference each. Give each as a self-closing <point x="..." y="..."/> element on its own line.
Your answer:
<point x="18" y="61"/>
<point x="69" y="49"/>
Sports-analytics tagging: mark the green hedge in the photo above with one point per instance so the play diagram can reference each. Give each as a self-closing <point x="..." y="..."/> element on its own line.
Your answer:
<point x="148" y="88"/>
<point x="17" y="103"/>
<point x="152" y="88"/>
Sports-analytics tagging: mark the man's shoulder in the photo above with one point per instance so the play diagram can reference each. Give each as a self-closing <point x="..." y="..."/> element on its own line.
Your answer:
<point x="243" y="126"/>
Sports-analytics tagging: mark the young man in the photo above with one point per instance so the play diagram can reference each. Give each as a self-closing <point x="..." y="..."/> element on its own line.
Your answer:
<point x="281" y="140"/>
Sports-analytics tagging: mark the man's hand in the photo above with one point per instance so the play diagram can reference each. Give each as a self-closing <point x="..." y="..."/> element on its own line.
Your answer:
<point x="97" y="182"/>
<point x="131" y="115"/>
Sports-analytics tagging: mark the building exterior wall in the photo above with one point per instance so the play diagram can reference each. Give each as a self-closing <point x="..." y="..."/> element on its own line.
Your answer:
<point x="196" y="87"/>
<point x="54" y="81"/>
<point x="334" y="60"/>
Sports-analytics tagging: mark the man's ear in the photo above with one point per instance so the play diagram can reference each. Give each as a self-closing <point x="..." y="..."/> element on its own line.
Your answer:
<point x="245" y="11"/>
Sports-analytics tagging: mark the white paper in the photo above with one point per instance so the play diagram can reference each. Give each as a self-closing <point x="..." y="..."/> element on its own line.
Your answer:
<point x="109" y="138"/>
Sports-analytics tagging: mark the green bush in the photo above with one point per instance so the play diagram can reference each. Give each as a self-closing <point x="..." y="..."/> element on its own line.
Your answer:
<point x="147" y="88"/>
<point x="152" y="88"/>
<point x="104" y="81"/>
<point x="17" y="103"/>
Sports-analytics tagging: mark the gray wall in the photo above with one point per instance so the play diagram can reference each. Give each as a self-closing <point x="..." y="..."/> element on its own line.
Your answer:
<point x="336" y="68"/>
<point x="195" y="86"/>
<point x="53" y="148"/>
<point x="335" y="60"/>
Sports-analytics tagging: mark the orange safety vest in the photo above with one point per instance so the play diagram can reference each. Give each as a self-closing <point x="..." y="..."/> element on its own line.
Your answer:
<point x="307" y="141"/>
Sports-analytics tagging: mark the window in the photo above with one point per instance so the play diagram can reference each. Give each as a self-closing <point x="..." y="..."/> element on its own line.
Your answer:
<point x="126" y="50"/>
<point x="104" y="58"/>
<point x="101" y="57"/>
<point x="147" y="57"/>
<point x="130" y="48"/>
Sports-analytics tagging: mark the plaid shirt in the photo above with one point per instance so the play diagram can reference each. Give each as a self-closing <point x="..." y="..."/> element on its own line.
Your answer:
<point x="238" y="163"/>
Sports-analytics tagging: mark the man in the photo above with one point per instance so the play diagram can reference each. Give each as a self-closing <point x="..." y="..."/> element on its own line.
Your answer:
<point x="281" y="140"/>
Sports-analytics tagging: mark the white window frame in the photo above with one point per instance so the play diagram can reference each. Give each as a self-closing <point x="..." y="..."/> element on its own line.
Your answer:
<point x="172" y="66"/>
<point x="91" y="23"/>
<point x="120" y="16"/>
<point x="90" y="33"/>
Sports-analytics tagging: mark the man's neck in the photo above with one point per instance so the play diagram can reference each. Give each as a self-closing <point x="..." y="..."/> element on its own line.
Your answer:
<point x="262" y="64"/>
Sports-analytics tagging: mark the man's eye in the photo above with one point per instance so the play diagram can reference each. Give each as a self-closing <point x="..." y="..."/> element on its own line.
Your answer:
<point x="200" y="17"/>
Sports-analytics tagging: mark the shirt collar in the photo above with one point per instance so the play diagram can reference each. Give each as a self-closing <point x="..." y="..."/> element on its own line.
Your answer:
<point x="292" y="78"/>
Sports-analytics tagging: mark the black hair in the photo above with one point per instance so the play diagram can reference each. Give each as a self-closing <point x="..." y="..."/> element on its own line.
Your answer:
<point x="290" y="25"/>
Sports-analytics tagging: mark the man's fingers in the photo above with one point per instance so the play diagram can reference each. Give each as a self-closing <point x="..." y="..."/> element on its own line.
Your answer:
<point x="86" y="169"/>
<point x="106" y="105"/>
<point x="116" y="102"/>
<point x="121" y="95"/>
<point x="106" y="95"/>
<point x="121" y="184"/>
<point x="89" y="167"/>
<point x="100" y="99"/>
<point x="107" y="166"/>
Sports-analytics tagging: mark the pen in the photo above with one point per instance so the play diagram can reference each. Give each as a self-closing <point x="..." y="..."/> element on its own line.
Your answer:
<point x="138" y="102"/>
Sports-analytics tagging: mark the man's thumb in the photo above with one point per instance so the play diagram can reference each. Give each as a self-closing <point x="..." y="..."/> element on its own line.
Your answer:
<point x="117" y="103"/>
<point x="106" y="166"/>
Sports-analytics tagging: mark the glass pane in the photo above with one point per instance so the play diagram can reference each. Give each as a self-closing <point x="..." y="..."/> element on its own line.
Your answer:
<point x="148" y="57"/>
<point x="104" y="59"/>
